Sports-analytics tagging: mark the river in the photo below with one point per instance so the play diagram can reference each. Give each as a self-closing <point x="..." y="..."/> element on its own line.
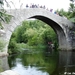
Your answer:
<point x="40" y="63"/>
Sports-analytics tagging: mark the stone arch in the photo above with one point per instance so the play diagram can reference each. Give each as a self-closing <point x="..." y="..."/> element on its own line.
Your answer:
<point x="57" y="28"/>
<point x="58" y="23"/>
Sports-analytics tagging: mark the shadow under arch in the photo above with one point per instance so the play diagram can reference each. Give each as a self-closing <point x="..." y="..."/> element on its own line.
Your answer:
<point x="61" y="37"/>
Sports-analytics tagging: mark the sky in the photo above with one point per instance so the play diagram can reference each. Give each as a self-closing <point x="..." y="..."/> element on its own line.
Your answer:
<point x="50" y="4"/>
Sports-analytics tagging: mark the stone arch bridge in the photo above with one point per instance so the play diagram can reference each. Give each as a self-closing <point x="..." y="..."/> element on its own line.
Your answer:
<point x="63" y="27"/>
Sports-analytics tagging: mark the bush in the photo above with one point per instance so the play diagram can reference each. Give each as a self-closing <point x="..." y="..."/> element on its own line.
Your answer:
<point x="12" y="48"/>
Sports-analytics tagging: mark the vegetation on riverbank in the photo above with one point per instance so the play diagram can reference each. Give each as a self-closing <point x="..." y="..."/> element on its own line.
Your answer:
<point x="32" y="34"/>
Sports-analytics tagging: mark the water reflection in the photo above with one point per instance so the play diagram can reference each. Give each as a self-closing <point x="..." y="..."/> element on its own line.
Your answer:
<point x="67" y="62"/>
<point x="41" y="63"/>
<point x="34" y="63"/>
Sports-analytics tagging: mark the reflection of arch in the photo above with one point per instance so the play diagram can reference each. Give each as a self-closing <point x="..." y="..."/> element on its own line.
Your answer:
<point x="56" y="22"/>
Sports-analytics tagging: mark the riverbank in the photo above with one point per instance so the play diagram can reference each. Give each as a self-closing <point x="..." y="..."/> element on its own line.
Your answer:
<point x="2" y="54"/>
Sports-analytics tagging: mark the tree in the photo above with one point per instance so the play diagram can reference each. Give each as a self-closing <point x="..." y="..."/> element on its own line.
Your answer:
<point x="62" y="12"/>
<point x="3" y="16"/>
<point x="72" y="11"/>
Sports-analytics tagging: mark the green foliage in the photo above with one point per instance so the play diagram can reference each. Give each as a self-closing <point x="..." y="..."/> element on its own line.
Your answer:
<point x="72" y="10"/>
<point x="70" y="14"/>
<point x="3" y="16"/>
<point x="32" y="33"/>
<point x="12" y="47"/>
<point x="72" y="7"/>
<point x="12" y="44"/>
<point x="21" y="32"/>
<point x="62" y="12"/>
